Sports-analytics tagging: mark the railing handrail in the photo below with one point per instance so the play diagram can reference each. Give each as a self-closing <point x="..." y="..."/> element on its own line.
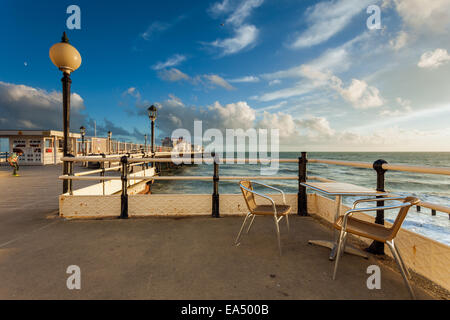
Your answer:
<point x="386" y="166"/>
<point x="85" y="177"/>
<point x="147" y="158"/>
<point x="357" y="164"/>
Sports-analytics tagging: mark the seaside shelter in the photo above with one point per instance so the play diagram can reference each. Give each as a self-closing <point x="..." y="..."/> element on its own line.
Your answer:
<point x="39" y="147"/>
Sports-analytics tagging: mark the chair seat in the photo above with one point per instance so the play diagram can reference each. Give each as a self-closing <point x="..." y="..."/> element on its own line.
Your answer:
<point x="365" y="229"/>
<point x="267" y="209"/>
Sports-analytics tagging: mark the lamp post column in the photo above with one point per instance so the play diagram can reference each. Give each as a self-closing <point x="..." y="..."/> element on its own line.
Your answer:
<point x="152" y="145"/>
<point x="153" y="136"/>
<point x="145" y="143"/>
<point x="83" y="147"/>
<point x="66" y="81"/>
<point x="67" y="59"/>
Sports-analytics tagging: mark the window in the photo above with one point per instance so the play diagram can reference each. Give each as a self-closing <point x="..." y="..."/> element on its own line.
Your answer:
<point x="48" y="143"/>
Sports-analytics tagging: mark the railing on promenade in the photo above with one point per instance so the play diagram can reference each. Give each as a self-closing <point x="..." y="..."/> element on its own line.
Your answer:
<point x="380" y="167"/>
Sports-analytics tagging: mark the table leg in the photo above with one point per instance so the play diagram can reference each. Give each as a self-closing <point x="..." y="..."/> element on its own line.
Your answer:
<point x="333" y="244"/>
<point x="337" y="212"/>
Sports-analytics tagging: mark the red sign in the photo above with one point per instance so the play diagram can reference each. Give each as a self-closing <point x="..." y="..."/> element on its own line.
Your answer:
<point x="49" y="150"/>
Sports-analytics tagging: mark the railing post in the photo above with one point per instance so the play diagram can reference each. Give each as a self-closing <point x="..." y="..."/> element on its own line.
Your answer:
<point x="378" y="247"/>
<point x="302" y="205"/>
<point x="70" y="173"/>
<point x="124" y="196"/>
<point x="215" y="195"/>
<point x="102" y="173"/>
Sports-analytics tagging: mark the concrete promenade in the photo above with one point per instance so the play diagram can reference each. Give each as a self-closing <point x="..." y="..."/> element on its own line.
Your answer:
<point x="162" y="258"/>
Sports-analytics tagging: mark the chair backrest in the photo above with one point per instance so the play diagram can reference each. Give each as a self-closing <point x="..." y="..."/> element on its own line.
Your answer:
<point x="248" y="196"/>
<point x="402" y="215"/>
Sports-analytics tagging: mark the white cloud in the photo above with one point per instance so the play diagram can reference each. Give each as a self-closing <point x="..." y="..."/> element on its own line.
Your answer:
<point x="311" y="132"/>
<point x="404" y="103"/>
<point x="26" y="107"/>
<point x="273" y="107"/>
<point x="245" y="79"/>
<point x="400" y="41"/>
<point x="316" y="127"/>
<point x="281" y="121"/>
<point x="434" y="59"/>
<point x="244" y="37"/>
<point x="319" y="73"/>
<point x="386" y="4"/>
<point x="154" y="28"/>
<point x="405" y="109"/>
<point x="174" y="114"/>
<point x="359" y="93"/>
<point x="173" y="75"/>
<point x="132" y="91"/>
<point x="274" y="82"/>
<point x="336" y="59"/>
<point x="221" y="7"/>
<point x="243" y="11"/>
<point x="300" y="89"/>
<point x="234" y="115"/>
<point x="328" y="18"/>
<point x="219" y="81"/>
<point x="419" y="14"/>
<point x="170" y="62"/>
<point x="207" y="80"/>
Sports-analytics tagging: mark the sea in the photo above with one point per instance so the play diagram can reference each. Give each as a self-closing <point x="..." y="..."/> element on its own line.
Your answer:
<point x="427" y="187"/>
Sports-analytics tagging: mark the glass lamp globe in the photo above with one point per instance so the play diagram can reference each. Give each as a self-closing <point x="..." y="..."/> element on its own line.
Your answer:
<point x="65" y="56"/>
<point x="152" y="112"/>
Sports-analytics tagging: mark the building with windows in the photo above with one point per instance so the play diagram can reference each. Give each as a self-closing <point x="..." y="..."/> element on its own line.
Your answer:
<point x="39" y="147"/>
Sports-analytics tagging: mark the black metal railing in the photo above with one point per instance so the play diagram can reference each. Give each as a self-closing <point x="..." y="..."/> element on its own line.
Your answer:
<point x="380" y="167"/>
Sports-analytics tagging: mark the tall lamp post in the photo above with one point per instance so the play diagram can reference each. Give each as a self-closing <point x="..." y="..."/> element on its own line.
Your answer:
<point x="67" y="59"/>
<point x="152" y="115"/>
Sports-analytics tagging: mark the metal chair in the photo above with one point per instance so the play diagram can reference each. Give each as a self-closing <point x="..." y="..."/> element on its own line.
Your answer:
<point x="348" y="224"/>
<point x="278" y="211"/>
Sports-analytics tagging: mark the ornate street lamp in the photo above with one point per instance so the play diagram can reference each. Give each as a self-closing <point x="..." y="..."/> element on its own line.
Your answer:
<point x="67" y="59"/>
<point x="152" y="116"/>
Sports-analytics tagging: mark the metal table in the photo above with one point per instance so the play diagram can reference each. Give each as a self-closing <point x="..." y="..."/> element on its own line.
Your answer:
<point x="339" y="190"/>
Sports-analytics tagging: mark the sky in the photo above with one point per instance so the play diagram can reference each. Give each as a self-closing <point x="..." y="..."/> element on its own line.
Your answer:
<point x="312" y="69"/>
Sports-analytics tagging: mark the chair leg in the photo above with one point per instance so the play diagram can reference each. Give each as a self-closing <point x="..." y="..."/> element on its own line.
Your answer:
<point x="344" y="243"/>
<point x="251" y="223"/>
<point x="340" y="246"/>
<point x="401" y="260"/>
<point x="242" y="227"/>
<point x="287" y="222"/>
<point x="402" y="270"/>
<point x="277" y="229"/>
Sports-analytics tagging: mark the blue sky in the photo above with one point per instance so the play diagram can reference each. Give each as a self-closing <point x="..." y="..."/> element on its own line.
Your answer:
<point x="309" y="68"/>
